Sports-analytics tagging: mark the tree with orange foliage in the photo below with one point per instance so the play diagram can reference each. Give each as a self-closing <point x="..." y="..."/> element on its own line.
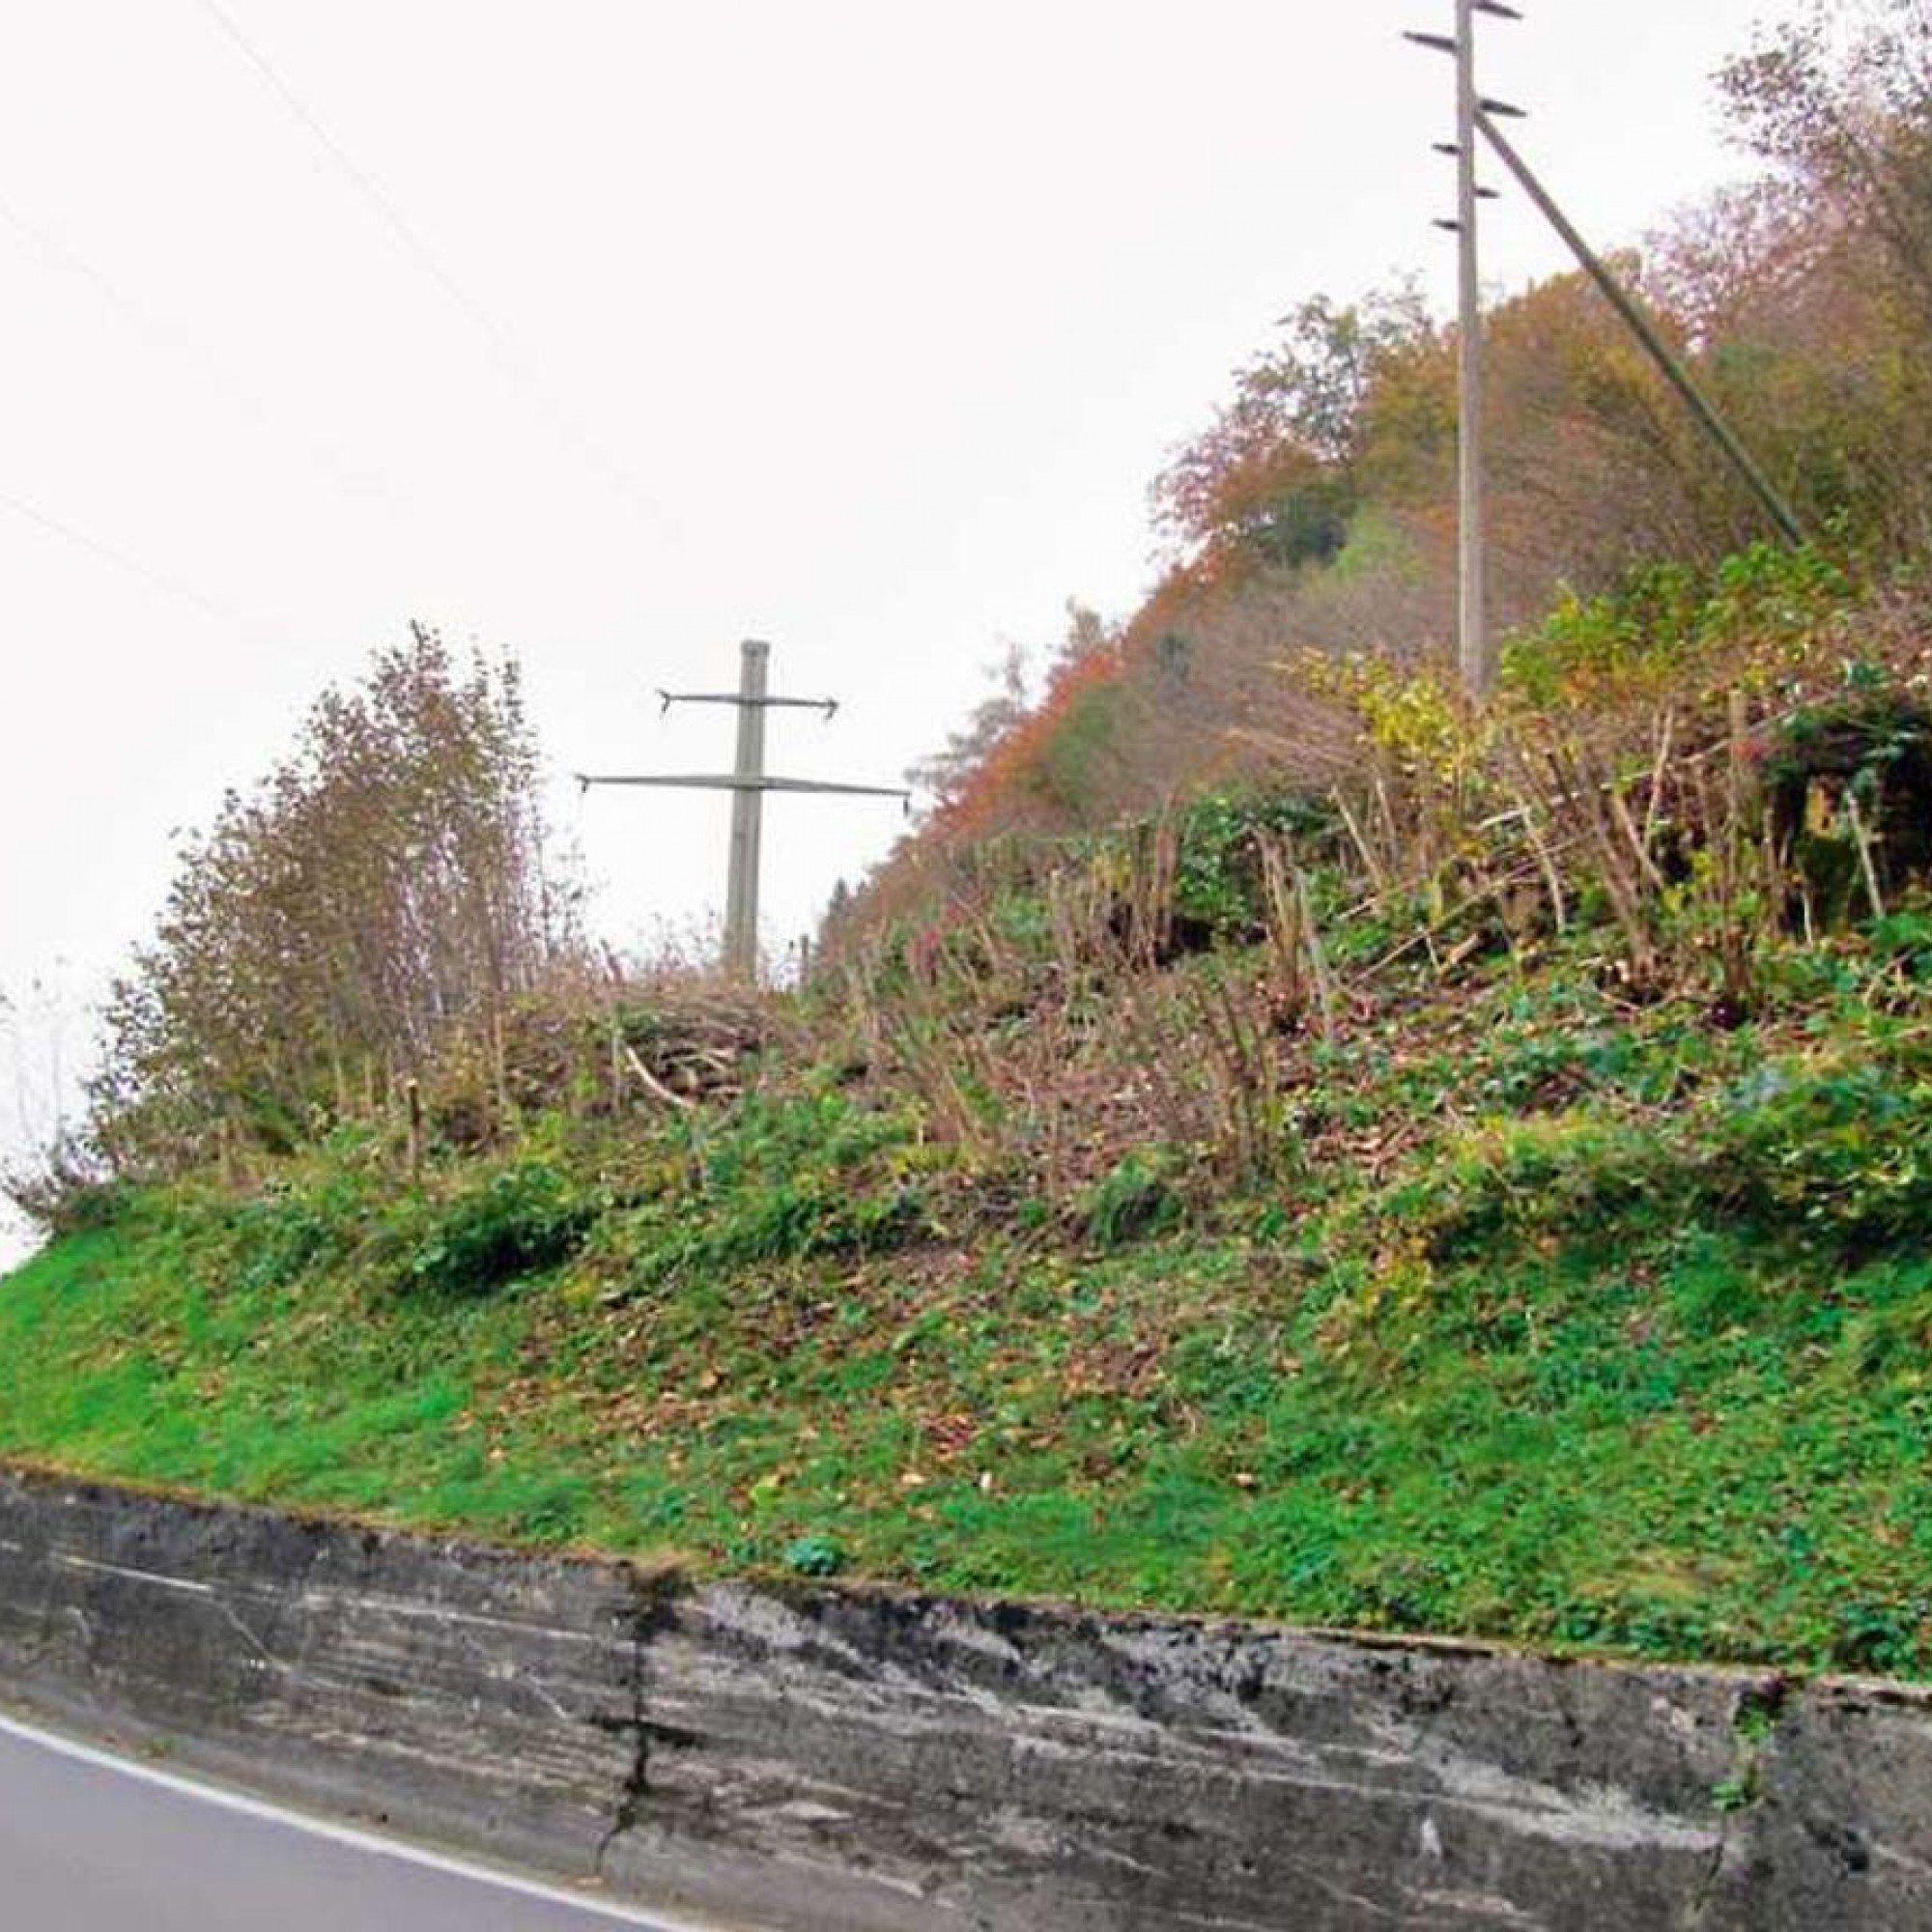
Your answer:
<point x="1275" y="480"/>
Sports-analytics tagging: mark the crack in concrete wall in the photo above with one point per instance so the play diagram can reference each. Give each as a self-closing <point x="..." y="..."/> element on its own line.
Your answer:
<point x="844" y="1761"/>
<point x="650" y="1615"/>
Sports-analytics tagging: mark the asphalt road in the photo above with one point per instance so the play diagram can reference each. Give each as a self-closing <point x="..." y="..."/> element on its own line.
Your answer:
<point x="92" y="1843"/>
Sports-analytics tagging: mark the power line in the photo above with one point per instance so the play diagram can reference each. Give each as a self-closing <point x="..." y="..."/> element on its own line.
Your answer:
<point x="121" y="560"/>
<point x="163" y="334"/>
<point x="509" y="361"/>
<point x="386" y="209"/>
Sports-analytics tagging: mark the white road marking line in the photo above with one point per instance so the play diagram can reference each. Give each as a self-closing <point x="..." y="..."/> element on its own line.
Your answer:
<point x="346" y="1835"/>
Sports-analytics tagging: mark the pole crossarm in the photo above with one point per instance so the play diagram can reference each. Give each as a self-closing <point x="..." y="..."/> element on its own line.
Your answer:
<point x="726" y="781"/>
<point x="1769" y="498"/>
<point x="828" y="706"/>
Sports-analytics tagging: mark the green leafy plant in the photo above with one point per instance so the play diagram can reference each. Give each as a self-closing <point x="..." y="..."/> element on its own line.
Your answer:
<point x="519" y="1220"/>
<point x="1218" y="884"/>
<point x="1134" y="1200"/>
<point x="814" y="1556"/>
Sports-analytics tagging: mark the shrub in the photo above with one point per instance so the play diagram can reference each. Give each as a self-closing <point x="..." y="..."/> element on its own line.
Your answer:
<point x="1218" y="880"/>
<point x="814" y="1556"/>
<point x="521" y="1219"/>
<point x="1135" y="1199"/>
<point x="67" y="1190"/>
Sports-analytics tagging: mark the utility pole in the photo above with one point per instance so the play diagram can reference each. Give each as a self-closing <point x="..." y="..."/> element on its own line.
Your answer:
<point x="1472" y="615"/>
<point x="748" y="783"/>
<point x="747" y="814"/>
<point x="1475" y="648"/>
<point x="1477" y="115"/>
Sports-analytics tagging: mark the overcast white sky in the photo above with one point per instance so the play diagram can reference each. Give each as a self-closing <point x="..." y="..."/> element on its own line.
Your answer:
<point x="860" y="326"/>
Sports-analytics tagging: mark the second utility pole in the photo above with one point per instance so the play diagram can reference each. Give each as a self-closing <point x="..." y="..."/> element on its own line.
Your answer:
<point x="747" y="784"/>
<point x="747" y="812"/>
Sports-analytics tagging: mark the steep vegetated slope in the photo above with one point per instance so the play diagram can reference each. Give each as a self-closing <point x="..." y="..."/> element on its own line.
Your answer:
<point x="1277" y="1139"/>
<point x="1318" y="510"/>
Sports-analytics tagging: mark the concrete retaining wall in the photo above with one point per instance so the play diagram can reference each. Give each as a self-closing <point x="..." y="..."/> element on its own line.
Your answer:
<point x="846" y="1762"/>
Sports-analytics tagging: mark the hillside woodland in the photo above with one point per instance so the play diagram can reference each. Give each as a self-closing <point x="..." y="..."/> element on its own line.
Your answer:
<point x="1276" y="1138"/>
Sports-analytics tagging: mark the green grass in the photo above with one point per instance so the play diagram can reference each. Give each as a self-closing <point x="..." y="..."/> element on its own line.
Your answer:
<point x="1623" y="1343"/>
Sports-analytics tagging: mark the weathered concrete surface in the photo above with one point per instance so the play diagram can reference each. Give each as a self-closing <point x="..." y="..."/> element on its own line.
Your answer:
<point x="464" y="1692"/>
<point x="843" y="1762"/>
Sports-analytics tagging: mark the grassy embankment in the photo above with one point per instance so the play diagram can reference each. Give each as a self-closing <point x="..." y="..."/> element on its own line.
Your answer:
<point x="1520" y="1303"/>
<point x="1615" y="1331"/>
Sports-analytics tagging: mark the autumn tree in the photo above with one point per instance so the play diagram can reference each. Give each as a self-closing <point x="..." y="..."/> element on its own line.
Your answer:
<point x="1277" y="477"/>
<point x="946" y="774"/>
<point x="383" y="887"/>
<point x="1840" y="104"/>
<point x="1842" y="101"/>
